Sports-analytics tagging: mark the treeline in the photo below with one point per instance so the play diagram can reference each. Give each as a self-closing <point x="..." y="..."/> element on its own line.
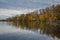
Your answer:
<point x="47" y="20"/>
<point x="50" y="14"/>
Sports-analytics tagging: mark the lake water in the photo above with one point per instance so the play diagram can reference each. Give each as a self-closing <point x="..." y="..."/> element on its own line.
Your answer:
<point x="10" y="32"/>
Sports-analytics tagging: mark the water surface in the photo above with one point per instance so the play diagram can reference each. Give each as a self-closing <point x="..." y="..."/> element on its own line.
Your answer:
<point x="9" y="31"/>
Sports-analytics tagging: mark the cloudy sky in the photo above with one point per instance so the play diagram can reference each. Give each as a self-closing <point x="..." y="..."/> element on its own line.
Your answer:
<point x="12" y="7"/>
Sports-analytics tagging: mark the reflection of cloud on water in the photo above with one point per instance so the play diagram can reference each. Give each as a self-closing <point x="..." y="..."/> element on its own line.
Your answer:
<point x="22" y="35"/>
<point x="9" y="29"/>
<point x="12" y="33"/>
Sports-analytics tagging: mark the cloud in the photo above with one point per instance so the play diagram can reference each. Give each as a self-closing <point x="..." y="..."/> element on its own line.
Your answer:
<point x="10" y="11"/>
<point x="13" y="7"/>
<point x="56" y="1"/>
<point x="4" y="13"/>
<point x="26" y="4"/>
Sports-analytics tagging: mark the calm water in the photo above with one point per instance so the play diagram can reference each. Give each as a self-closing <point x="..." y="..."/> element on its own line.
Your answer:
<point x="9" y="31"/>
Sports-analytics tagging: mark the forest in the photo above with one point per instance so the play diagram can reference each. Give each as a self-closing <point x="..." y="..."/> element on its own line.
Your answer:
<point x="48" y="14"/>
<point x="47" y="20"/>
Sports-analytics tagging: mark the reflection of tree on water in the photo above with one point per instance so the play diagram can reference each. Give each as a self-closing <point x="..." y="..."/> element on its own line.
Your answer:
<point x="52" y="29"/>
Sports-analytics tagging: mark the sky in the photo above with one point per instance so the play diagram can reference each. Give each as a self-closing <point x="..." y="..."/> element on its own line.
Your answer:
<point x="10" y="8"/>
